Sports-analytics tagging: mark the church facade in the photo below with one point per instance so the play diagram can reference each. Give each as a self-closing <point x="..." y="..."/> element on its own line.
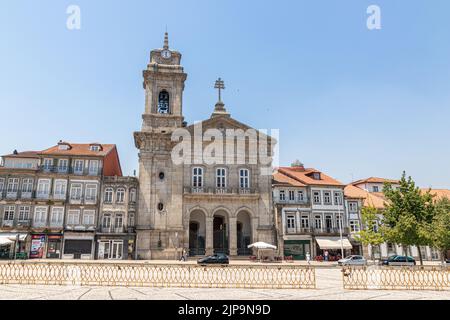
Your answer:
<point x="205" y="187"/>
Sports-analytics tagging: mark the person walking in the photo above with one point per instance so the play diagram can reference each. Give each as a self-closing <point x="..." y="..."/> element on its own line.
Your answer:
<point x="308" y="258"/>
<point x="183" y="255"/>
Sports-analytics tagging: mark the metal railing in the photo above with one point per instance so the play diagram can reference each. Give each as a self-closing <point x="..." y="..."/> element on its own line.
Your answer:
<point x="397" y="278"/>
<point x="158" y="275"/>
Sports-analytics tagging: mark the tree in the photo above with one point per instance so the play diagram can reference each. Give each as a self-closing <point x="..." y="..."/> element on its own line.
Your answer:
<point x="369" y="233"/>
<point x="408" y="215"/>
<point x="440" y="227"/>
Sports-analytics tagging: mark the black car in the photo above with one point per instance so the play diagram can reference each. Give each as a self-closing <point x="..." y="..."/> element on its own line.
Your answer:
<point x="218" y="258"/>
<point x="397" y="260"/>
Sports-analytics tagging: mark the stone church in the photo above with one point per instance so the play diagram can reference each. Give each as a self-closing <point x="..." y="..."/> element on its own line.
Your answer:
<point x="204" y="204"/>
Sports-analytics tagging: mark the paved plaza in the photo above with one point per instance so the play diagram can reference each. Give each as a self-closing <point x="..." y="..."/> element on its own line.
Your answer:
<point x="329" y="287"/>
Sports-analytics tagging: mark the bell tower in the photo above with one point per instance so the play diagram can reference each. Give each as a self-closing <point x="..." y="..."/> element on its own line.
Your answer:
<point x="163" y="84"/>
<point x="159" y="219"/>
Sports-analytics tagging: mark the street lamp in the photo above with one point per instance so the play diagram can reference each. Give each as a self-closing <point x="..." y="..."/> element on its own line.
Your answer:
<point x="341" y="220"/>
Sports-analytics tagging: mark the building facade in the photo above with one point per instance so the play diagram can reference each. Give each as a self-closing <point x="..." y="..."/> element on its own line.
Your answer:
<point x="50" y="199"/>
<point x="310" y="211"/>
<point x="201" y="206"/>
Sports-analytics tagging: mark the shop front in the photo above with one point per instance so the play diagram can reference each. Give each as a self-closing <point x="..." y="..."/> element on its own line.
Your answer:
<point x="115" y="248"/>
<point x="54" y="245"/>
<point x="297" y="249"/>
<point x="13" y="243"/>
<point x="330" y="248"/>
<point x="78" y="245"/>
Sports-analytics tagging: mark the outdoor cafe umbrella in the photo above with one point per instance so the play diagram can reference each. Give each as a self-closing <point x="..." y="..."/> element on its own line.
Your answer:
<point x="261" y="245"/>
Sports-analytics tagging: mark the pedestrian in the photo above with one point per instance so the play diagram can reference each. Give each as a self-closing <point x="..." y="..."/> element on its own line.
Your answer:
<point x="308" y="258"/>
<point x="326" y="255"/>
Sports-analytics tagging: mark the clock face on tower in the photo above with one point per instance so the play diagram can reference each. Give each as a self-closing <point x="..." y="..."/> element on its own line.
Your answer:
<point x="166" y="54"/>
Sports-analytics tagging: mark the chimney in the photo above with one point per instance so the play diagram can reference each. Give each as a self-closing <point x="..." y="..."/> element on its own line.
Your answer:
<point x="15" y="151"/>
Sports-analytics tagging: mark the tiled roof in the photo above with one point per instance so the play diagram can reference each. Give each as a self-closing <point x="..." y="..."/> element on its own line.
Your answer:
<point x="23" y="154"/>
<point x="281" y="179"/>
<point x="438" y="193"/>
<point x="79" y="149"/>
<point x="304" y="175"/>
<point x="376" y="200"/>
<point x="374" y="180"/>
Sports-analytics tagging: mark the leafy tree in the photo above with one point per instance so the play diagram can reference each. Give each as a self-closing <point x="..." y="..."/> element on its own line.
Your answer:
<point x="440" y="227"/>
<point x="369" y="233"/>
<point x="408" y="215"/>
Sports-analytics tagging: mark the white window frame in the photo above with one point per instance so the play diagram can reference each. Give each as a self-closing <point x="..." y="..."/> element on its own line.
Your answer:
<point x="197" y="177"/>
<point x="318" y="223"/>
<point x="47" y="164"/>
<point x="76" y="166"/>
<point x="327" y="200"/>
<point x="108" y="197"/>
<point x="59" y="213"/>
<point x="90" y="192"/>
<point x="73" y="186"/>
<point x="43" y="185"/>
<point x="13" y="185"/>
<point x="244" y="178"/>
<point x="8" y="213"/>
<point x="2" y="185"/>
<point x="354" y="225"/>
<point x="60" y="189"/>
<point x="24" y="213"/>
<point x="221" y="178"/>
<point x="106" y="218"/>
<point x="73" y="217"/>
<point x="93" y="169"/>
<point x="352" y="206"/>
<point x="132" y="195"/>
<point x="300" y="195"/>
<point x="118" y="217"/>
<point x="282" y="195"/>
<point x="120" y="195"/>
<point x="40" y="212"/>
<point x="88" y="217"/>
<point x="290" y="221"/>
<point x="337" y="195"/>
<point x="27" y="185"/>
<point x="61" y="167"/>
<point x="304" y="221"/>
<point x="317" y="198"/>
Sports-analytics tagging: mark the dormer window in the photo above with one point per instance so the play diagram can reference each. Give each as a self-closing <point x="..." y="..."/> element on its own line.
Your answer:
<point x="63" y="146"/>
<point x="95" y="147"/>
<point x="316" y="175"/>
<point x="163" y="102"/>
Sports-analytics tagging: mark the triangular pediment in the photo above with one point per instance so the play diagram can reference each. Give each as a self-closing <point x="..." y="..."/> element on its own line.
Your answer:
<point x="223" y="123"/>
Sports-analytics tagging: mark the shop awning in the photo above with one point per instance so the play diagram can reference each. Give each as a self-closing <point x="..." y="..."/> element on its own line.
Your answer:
<point x="333" y="243"/>
<point x="10" y="237"/>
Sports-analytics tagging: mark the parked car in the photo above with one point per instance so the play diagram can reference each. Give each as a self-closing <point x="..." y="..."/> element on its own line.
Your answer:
<point x="218" y="258"/>
<point x="397" y="260"/>
<point x="353" y="260"/>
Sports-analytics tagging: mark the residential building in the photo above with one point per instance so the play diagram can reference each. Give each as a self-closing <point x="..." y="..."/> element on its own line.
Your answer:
<point x="310" y="213"/>
<point x="50" y="198"/>
<point x="116" y="236"/>
<point x="370" y="192"/>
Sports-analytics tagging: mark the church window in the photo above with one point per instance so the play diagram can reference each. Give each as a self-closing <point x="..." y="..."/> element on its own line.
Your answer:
<point x="221" y="178"/>
<point x="197" y="177"/>
<point x="244" y="179"/>
<point x="163" y="102"/>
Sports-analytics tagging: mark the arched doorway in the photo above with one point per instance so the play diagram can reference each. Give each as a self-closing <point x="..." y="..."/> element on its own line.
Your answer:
<point x="220" y="233"/>
<point x="243" y="233"/>
<point x="197" y="232"/>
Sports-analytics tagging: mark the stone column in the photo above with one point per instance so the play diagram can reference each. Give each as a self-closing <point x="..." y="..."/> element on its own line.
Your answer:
<point x="233" y="236"/>
<point x="209" y="236"/>
<point x="297" y="221"/>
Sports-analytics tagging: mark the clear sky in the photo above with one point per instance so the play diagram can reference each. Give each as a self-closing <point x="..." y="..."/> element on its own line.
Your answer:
<point x="347" y="100"/>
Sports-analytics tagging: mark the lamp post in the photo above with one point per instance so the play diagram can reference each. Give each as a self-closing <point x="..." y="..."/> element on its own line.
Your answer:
<point x="341" y="220"/>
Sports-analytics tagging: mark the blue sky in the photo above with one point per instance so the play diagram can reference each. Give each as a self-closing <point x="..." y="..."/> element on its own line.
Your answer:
<point x="349" y="101"/>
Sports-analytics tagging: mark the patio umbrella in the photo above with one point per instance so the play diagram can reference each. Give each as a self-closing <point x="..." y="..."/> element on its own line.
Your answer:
<point x="261" y="245"/>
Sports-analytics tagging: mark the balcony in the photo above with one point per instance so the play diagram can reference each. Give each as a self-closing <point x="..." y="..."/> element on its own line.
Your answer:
<point x="299" y="230"/>
<point x="58" y="196"/>
<point x="219" y="191"/>
<point x="56" y="224"/>
<point x="70" y="170"/>
<point x="112" y="230"/>
<point x="89" y="200"/>
<point x="295" y="201"/>
<point x="42" y="196"/>
<point x="8" y="223"/>
<point x="334" y="231"/>
<point x="39" y="224"/>
<point x="11" y="195"/>
<point x="25" y="223"/>
<point x="26" y="195"/>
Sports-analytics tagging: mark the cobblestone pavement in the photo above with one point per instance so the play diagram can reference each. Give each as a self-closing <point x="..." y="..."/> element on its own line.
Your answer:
<point x="329" y="287"/>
